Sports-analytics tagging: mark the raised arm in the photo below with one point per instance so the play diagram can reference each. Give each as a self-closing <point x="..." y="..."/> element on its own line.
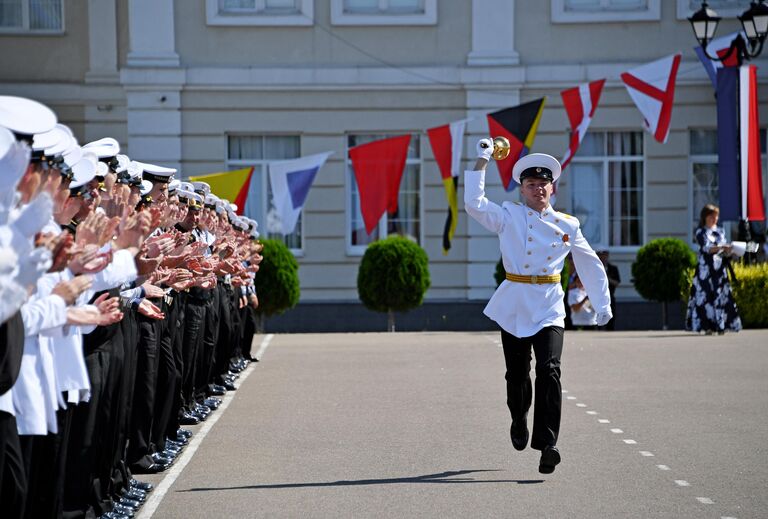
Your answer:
<point x="488" y="214"/>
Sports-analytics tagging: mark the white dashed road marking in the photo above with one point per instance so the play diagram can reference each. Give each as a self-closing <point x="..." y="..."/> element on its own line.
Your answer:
<point x="617" y="431"/>
<point x="682" y="483"/>
<point x="663" y="467"/>
<point x="705" y="501"/>
<point x="646" y="454"/>
<point x="630" y="442"/>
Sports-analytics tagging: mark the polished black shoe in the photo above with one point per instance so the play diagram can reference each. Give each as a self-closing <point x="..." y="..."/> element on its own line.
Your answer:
<point x="185" y="433"/>
<point x="176" y="443"/>
<point x="135" y="494"/>
<point x="142" y="485"/>
<point x="162" y="459"/>
<point x="518" y="433"/>
<point x="187" y="418"/>
<point x="179" y="439"/>
<point x="213" y="403"/>
<point x="229" y="386"/>
<point x="154" y="468"/>
<point x="129" y="503"/>
<point x="217" y="390"/>
<point x="124" y="510"/>
<point x="550" y="457"/>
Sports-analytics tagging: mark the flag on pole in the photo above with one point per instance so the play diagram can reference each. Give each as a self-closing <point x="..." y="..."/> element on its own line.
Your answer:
<point x="718" y="47"/>
<point x="580" y="103"/>
<point x="729" y="173"/>
<point x="518" y="124"/>
<point x="291" y="180"/>
<point x="752" y="206"/>
<point x="378" y="168"/>
<point x="447" y="145"/>
<point x="652" y="88"/>
<point x="230" y="185"/>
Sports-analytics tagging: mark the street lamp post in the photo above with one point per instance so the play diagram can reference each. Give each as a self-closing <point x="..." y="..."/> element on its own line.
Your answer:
<point x="754" y="22"/>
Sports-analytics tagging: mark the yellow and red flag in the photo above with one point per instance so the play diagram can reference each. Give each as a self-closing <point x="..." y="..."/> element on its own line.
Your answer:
<point x="230" y="185"/>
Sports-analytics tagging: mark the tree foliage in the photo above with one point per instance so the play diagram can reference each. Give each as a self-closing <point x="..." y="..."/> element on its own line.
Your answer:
<point x="277" y="281"/>
<point x="663" y="270"/>
<point x="393" y="275"/>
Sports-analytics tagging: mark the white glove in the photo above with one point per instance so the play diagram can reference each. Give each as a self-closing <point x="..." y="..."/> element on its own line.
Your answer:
<point x="33" y="266"/>
<point x="484" y="149"/>
<point x="604" y="317"/>
<point x="33" y="217"/>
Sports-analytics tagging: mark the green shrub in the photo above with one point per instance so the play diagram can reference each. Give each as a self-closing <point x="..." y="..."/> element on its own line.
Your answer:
<point x="393" y="276"/>
<point x="277" y="281"/>
<point x="750" y="290"/>
<point x="663" y="270"/>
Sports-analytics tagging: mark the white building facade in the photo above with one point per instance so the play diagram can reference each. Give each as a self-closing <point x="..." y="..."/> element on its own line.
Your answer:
<point x="211" y="85"/>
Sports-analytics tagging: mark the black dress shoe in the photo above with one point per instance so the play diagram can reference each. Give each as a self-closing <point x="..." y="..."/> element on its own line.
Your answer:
<point x="154" y="468"/>
<point x="229" y="386"/>
<point x="185" y="433"/>
<point x="212" y="403"/>
<point x="135" y="494"/>
<point x="129" y="503"/>
<point x="142" y="485"/>
<point x="162" y="459"/>
<point x="217" y="390"/>
<point x="518" y="433"/>
<point x="187" y="418"/>
<point x="550" y="457"/>
<point x="124" y="510"/>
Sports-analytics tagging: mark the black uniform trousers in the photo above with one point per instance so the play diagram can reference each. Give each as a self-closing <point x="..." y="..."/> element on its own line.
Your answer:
<point x="207" y="352"/>
<point x="13" y="480"/>
<point x="547" y="345"/>
<point x="143" y="405"/>
<point x="172" y="425"/>
<point x="165" y="387"/>
<point x="192" y="346"/>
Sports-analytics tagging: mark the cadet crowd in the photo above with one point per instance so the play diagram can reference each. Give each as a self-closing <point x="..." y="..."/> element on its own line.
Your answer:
<point x="127" y="305"/>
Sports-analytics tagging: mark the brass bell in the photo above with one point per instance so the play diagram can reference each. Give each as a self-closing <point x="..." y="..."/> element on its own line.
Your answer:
<point x="500" y="148"/>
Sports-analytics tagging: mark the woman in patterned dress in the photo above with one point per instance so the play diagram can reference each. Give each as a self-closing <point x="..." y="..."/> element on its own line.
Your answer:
<point x="711" y="307"/>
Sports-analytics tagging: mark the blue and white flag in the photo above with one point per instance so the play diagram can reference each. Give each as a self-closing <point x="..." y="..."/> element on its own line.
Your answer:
<point x="291" y="180"/>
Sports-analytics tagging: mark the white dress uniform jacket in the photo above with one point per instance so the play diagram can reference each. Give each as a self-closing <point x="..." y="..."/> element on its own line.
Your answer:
<point x="533" y="244"/>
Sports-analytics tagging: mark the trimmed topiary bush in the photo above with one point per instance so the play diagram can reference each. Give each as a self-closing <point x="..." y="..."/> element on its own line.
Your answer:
<point x="663" y="270"/>
<point x="393" y="276"/>
<point x="277" y="281"/>
<point x="750" y="290"/>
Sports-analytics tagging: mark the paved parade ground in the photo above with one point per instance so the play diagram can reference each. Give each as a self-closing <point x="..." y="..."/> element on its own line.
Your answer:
<point x="655" y="424"/>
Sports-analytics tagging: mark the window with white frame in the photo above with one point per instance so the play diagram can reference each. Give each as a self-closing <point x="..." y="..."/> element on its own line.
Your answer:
<point x="32" y="16"/>
<point x="588" y="11"/>
<point x="259" y="12"/>
<point x="723" y="7"/>
<point x="407" y="221"/>
<point x="705" y="176"/>
<point x="607" y="185"/>
<point x="383" y="12"/>
<point x="258" y="151"/>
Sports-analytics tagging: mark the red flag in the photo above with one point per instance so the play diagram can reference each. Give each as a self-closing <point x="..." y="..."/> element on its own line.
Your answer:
<point x="580" y="102"/>
<point x="378" y="168"/>
<point x="652" y="88"/>
<point x="751" y="175"/>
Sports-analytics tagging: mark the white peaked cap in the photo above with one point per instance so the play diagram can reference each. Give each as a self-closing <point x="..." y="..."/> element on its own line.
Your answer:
<point x="134" y="169"/>
<point x="103" y="148"/>
<point x="211" y="199"/>
<point x="146" y="187"/>
<point x="84" y="170"/>
<point x="187" y="186"/>
<point x="25" y="116"/>
<point x="63" y="145"/>
<point x="174" y="185"/>
<point x="14" y="157"/>
<point x="202" y="186"/>
<point x="51" y="138"/>
<point x="122" y="163"/>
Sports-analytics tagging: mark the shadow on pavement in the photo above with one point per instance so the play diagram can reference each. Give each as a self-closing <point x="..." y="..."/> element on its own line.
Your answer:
<point x="427" y="478"/>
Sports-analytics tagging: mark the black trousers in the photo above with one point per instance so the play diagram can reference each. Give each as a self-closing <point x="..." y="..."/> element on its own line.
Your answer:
<point x="165" y="388"/>
<point x="547" y="345"/>
<point x="192" y="347"/>
<point x="13" y="479"/>
<point x="143" y="405"/>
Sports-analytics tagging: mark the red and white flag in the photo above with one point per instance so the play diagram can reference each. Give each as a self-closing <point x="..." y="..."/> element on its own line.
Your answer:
<point x="652" y="88"/>
<point x="752" y="202"/>
<point x="580" y="102"/>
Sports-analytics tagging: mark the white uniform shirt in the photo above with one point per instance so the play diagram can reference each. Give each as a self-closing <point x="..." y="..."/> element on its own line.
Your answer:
<point x="533" y="243"/>
<point x="584" y="316"/>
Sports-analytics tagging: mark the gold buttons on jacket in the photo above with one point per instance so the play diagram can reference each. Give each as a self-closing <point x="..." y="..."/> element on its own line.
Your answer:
<point x="549" y="257"/>
<point x="557" y="220"/>
<point x="557" y="233"/>
<point x="530" y="226"/>
<point x="529" y="253"/>
<point x="530" y="239"/>
<point x="543" y="270"/>
<point x="525" y="266"/>
<point x="530" y="213"/>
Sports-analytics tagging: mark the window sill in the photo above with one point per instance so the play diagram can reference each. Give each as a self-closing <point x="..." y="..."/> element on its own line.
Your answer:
<point x="561" y="15"/>
<point x="338" y="17"/>
<point x="30" y="32"/>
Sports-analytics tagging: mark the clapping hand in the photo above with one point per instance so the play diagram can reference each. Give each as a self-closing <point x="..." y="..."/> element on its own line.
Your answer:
<point x="70" y="290"/>
<point x="152" y="291"/>
<point x="148" y="309"/>
<point x="88" y="260"/>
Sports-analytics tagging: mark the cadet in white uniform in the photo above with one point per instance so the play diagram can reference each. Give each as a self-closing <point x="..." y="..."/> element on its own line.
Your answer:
<point x="528" y="306"/>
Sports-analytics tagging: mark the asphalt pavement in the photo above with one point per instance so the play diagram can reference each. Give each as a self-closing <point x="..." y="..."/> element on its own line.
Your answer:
<point x="655" y="424"/>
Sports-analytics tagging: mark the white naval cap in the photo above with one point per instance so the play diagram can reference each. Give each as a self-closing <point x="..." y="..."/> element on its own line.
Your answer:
<point x="210" y="200"/>
<point x="201" y="188"/>
<point x="233" y="207"/>
<point x="84" y="170"/>
<point x="14" y="157"/>
<point x="173" y="185"/>
<point x="103" y="148"/>
<point x="195" y="201"/>
<point x="155" y="173"/>
<point x="146" y="187"/>
<point x="57" y="137"/>
<point x="63" y="145"/>
<point x="536" y="165"/>
<point x="24" y="116"/>
<point x="122" y="163"/>
<point x="134" y="173"/>
<point x="187" y="186"/>
<point x="183" y="194"/>
<point x="221" y="205"/>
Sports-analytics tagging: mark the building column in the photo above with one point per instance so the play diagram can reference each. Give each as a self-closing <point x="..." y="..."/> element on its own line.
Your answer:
<point x="153" y="83"/>
<point x="102" y="39"/>
<point x="493" y="33"/>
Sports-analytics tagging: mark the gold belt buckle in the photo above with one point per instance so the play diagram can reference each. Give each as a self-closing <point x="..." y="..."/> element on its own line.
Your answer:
<point x="534" y="279"/>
